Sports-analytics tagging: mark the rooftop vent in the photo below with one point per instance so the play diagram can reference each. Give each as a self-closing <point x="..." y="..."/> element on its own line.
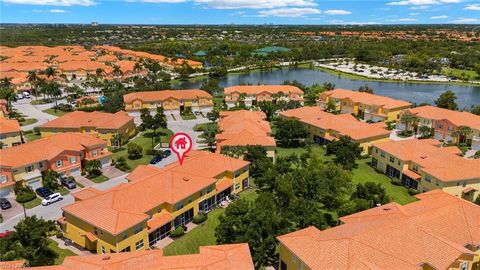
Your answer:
<point x="186" y="179"/>
<point x="423" y="157"/>
<point x="106" y="257"/>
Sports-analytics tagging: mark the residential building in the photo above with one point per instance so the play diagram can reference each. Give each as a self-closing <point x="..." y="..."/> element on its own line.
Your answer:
<point x="63" y="153"/>
<point x="90" y="101"/>
<point x="425" y="165"/>
<point x="243" y="128"/>
<point x="367" y="106"/>
<point x="10" y="133"/>
<point x="3" y="108"/>
<point x="250" y="95"/>
<point x="113" y="128"/>
<point x="221" y="257"/>
<point x="325" y="127"/>
<point x="439" y="231"/>
<point x="136" y="215"/>
<point x="445" y="124"/>
<point x="170" y="100"/>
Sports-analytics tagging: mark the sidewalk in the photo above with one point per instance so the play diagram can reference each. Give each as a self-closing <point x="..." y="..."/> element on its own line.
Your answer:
<point x="64" y="243"/>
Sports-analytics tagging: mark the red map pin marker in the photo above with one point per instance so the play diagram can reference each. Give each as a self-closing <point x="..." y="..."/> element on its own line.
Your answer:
<point x="181" y="144"/>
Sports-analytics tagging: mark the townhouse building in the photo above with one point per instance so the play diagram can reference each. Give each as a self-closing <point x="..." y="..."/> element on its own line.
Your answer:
<point x="63" y="153"/>
<point x="10" y="133"/>
<point x="136" y="215"/>
<point x="3" y="108"/>
<point x="221" y="257"/>
<point x="440" y="231"/>
<point x="367" y="106"/>
<point x="425" y="165"/>
<point x="243" y="128"/>
<point x="325" y="127"/>
<point x="114" y="128"/>
<point x="445" y="124"/>
<point x="251" y="95"/>
<point x="170" y="100"/>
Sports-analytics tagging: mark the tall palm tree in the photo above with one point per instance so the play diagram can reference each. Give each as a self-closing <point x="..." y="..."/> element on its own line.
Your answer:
<point x="409" y="119"/>
<point x="117" y="71"/>
<point x="33" y="79"/>
<point x="137" y="67"/>
<point x="99" y="72"/>
<point x="6" y="82"/>
<point x="462" y="132"/>
<point x="50" y="72"/>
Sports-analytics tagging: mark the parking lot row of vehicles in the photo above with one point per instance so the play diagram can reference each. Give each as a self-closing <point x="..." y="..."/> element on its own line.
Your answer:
<point x="159" y="158"/>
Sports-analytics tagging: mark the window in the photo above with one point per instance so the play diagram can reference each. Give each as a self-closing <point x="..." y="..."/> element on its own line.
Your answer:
<point x="464" y="266"/>
<point x="301" y="265"/>
<point x="73" y="160"/>
<point x="237" y="174"/>
<point x="425" y="189"/>
<point x="415" y="168"/>
<point x="190" y="199"/>
<point x="139" y="244"/>
<point x="464" y="184"/>
<point x="95" y="230"/>
<point x="376" y="150"/>
<point x="103" y="250"/>
<point x="392" y="159"/>
<point x="237" y="186"/>
<point x="95" y="153"/>
<point x="450" y="128"/>
<point x="58" y="163"/>
<point x="427" y="178"/>
<point x="28" y="168"/>
<point x="210" y="189"/>
<point x="399" y="163"/>
<point x="40" y="164"/>
<point x="138" y="228"/>
<point x="178" y="206"/>
<point x="294" y="258"/>
<point x="124" y="235"/>
<point x="3" y="179"/>
<point x="440" y="126"/>
<point x="382" y="154"/>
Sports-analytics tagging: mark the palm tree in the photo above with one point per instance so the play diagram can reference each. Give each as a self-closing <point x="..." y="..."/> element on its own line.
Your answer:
<point x="462" y="132"/>
<point x="53" y="89"/>
<point x="425" y="132"/>
<point x="408" y="119"/>
<point x="137" y="67"/>
<point x="99" y="72"/>
<point x="117" y="71"/>
<point x="9" y="96"/>
<point x="6" y="82"/>
<point x="33" y="79"/>
<point x="50" y="72"/>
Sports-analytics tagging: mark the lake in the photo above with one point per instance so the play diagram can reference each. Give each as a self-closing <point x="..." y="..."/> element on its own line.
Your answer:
<point x="412" y="92"/>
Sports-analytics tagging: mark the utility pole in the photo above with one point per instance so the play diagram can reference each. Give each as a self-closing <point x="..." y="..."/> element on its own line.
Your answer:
<point x="24" y="211"/>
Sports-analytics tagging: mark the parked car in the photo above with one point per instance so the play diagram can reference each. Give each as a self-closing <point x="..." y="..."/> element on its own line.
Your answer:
<point x="5" y="204"/>
<point x="5" y="234"/>
<point x="26" y="95"/>
<point x="18" y="96"/>
<point x="43" y="192"/>
<point x="156" y="159"/>
<point x="197" y="113"/>
<point x="68" y="182"/>
<point x="55" y="197"/>
<point x="166" y="153"/>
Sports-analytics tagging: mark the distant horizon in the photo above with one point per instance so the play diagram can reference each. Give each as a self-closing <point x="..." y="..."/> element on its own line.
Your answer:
<point x="241" y="12"/>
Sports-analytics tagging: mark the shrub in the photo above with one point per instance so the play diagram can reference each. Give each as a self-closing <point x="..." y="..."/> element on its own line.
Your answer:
<point x="177" y="232"/>
<point x="134" y="151"/>
<point x="199" y="218"/>
<point x="121" y="164"/>
<point x="59" y="234"/>
<point x="413" y="192"/>
<point x="25" y="195"/>
<point x="153" y="152"/>
<point x="396" y="182"/>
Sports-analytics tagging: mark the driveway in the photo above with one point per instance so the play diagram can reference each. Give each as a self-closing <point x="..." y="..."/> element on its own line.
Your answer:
<point x="186" y="126"/>
<point x="395" y="137"/>
<point x="33" y="111"/>
<point x="54" y="211"/>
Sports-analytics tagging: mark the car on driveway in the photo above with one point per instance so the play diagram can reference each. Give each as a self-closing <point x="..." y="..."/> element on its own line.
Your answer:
<point x="166" y="153"/>
<point x="197" y="113"/>
<point x="68" y="182"/>
<point x="55" y="197"/>
<point x="43" y="192"/>
<point x="156" y="159"/>
<point x="5" y="204"/>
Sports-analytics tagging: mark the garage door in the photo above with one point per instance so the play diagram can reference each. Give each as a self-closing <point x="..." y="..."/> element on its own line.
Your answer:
<point x="75" y="172"/>
<point x="400" y="126"/>
<point x="35" y="184"/>
<point x="5" y="191"/>
<point x="105" y="162"/>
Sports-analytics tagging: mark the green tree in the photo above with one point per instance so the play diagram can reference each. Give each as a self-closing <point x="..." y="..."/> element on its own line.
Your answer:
<point x="331" y="107"/>
<point x="462" y="133"/>
<point x="29" y="241"/>
<point x="346" y="151"/>
<point x="475" y="110"/>
<point x="373" y="193"/>
<point x="214" y="115"/>
<point x="134" y="151"/>
<point x="93" y="167"/>
<point x="209" y="133"/>
<point x="268" y="108"/>
<point x="409" y="120"/>
<point x="32" y="77"/>
<point x="447" y="101"/>
<point x="259" y="161"/>
<point x="50" y="179"/>
<point x="477" y="201"/>
<point x="425" y="132"/>
<point x="365" y="88"/>
<point x="50" y="72"/>
<point x="114" y="102"/>
<point x="290" y="132"/>
<point x="211" y="86"/>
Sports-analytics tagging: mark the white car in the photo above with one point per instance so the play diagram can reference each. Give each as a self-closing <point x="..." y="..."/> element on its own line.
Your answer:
<point x="26" y="95"/>
<point x="55" y="197"/>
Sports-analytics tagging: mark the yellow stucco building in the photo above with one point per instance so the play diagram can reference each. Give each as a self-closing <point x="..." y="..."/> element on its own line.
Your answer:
<point x="113" y="128"/>
<point x="137" y="215"/>
<point x="10" y="133"/>
<point x="370" y="107"/>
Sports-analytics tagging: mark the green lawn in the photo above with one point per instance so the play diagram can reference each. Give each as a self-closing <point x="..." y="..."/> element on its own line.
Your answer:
<point x="57" y="113"/>
<point x="144" y="140"/>
<point x="458" y="73"/>
<point x="204" y="234"/>
<point x="99" y="179"/>
<point x="33" y="203"/>
<point x="62" y="253"/>
<point x="28" y="121"/>
<point x="31" y="136"/>
<point x="62" y="190"/>
<point x="41" y="101"/>
<point x="188" y="116"/>
<point x="218" y="101"/>
<point x="201" y="127"/>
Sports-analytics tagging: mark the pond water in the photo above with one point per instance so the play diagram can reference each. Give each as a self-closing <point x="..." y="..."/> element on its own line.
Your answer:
<point x="413" y="92"/>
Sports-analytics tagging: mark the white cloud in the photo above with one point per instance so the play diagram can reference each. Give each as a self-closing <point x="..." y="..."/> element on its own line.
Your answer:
<point x="414" y="14"/>
<point x="52" y="2"/>
<point x="238" y="4"/>
<point x="473" y="7"/>
<point x="159" y="1"/>
<point x="58" y="11"/>
<point x="422" y="2"/>
<point x="439" y="17"/>
<point x="419" y="7"/>
<point x="407" y="20"/>
<point x="340" y="22"/>
<point x="337" y="12"/>
<point x="465" y="21"/>
<point x="288" y="12"/>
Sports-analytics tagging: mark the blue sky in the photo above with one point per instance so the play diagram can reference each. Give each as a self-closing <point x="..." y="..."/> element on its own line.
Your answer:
<point x="241" y="11"/>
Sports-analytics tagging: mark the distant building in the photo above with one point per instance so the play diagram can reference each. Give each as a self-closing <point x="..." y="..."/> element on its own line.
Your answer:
<point x="251" y="95"/>
<point x="94" y="24"/>
<point x="10" y="133"/>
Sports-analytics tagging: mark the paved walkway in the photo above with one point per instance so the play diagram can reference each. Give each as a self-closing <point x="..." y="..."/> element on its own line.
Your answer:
<point x="64" y="243"/>
<point x="31" y="111"/>
<point x="186" y="126"/>
<point x="168" y="240"/>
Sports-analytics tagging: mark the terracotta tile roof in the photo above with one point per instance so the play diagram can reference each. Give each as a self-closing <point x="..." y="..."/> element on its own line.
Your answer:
<point x="149" y="96"/>
<point x="9" y="126"/>
<point x="89" y="66"/>
<point x="433" y="231"/>
<point x="257" y="89"/>
<point x="17" y="77"/>
<point x="125" y="206"/>
<point x="456" y="117"/>
<point x="159" y="220"/>
<point x="443" y="163"/>
<point x="242" y="128"/>
<point x="345" y="124"/>
<point x="12" y="264"/>
<point x="107" y="58"/>
<point x="90" y="236"/>
<point x="86" y="193"/>
<point x="47" y="148"/>
<point x="226" y="183"/>
<point x="365" y="98"/>
<point x="100" y="120"/>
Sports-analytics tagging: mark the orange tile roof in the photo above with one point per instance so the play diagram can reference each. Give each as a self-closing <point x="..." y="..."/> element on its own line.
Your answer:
<point x="9" y="126"/>
<point x="345" y="124"/>
<point x="456" y="117"/>
<point x="257" y="89"/>
<point x="125" y="206"/>
<point x="90" y="236"/>
<point x="107" y="58"/>
<point x="99" y="120"/>
<point x="47" y="148"/>
<point x="149" y="96"/>
<point x="221" y="257"/>
<point x="17" y="77"/>
<point x="433" y="231"/>
<point x="86" y="193"/>
<point x="159" y="220"/>
<point x="12" y="264"/>
<point x="366" y="98"/>
<point x="242" y="128"/>
<point x="443" y="163"/>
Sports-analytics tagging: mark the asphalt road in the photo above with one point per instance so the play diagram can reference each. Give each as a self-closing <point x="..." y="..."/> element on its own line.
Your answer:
<point x="33" y="111"/>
